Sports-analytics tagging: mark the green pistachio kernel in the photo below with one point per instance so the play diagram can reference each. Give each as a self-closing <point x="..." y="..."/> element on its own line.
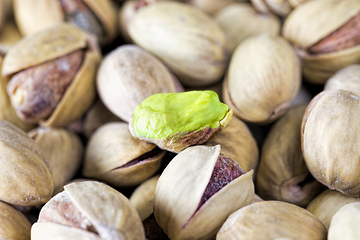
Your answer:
<point x="164" y="114"/>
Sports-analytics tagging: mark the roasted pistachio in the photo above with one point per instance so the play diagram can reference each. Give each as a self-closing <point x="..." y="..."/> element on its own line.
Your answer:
<point x="10" y="34"/>
<point x="211" y="6"/>
<point x="347" y="78"/>
<point x="279" y="7"/>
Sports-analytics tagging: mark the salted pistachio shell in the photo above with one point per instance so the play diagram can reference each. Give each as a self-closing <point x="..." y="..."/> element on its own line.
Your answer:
<point x="128" y="75"/>
<point x="272" y="220"/>
<point x="181" y="186"/>
<point x="25" y="179"/>
<point x="10" y="34"/>
<point x="174" y="121"/>
<point x="108" y="211"/>
<point x="329" y="132"/>
<point x="240" y="21"/>
<point x="63" y="152"/>
<point x="14" y="225"/>
<point x="238" y="143"/>
<point x="295" y="3"/>
<point x="114" y="156"/>
<point x="326" y="204"/>
<point x="282" y="174"/>
<point x="127" y="11"/>
<point x="347" y="78"/>
<point x="211" y="6"/>
<point x="186" y="39"/>
<point x="279" y="7"/>
<point x="250" y="84"/>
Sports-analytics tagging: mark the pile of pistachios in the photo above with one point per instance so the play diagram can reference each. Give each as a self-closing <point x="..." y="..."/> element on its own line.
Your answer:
<point x="179" y="119"/>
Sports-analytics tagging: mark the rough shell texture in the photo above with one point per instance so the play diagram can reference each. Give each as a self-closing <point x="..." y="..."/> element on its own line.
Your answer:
<point x="180" y="188"/>
<point x="261" y="91"/>
<point x="185" y="38"/>
<point x="347" y="78"/>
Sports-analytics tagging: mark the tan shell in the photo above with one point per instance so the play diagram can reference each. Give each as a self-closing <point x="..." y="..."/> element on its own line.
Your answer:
<point x="325" y="205"/>
<point x="63" y="152"/>
<point x="282" y="173"/>
<point x="272" y="220"/>
<point x="126" y="13"/>
<point x="180" y="188"/>
<point x="217" y="87"/>
<point x="128" y="75"/>
<point x="14" y="225"/>
<point x="111" y="147"/>
<point x="108" y="210"/>
<point x="329" y="132"/>
<point x="211" y="6"/>
<point x="186" y="39"/>
<point x="347" y="78"/>
<point x="279" y="7"/>
<point x="240" y="21"/>
<point x="238" y="143"/>
<point x="143" y="197"/>
<point x="10" y="34"/>
<point x="53" y="43"/>
<point x="345" y="223"/>
<point x="25" y="179"/>
<point x="262" y="91"/>
<point x="295" y="3"/>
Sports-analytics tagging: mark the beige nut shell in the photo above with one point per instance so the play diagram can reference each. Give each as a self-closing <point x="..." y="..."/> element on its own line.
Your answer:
<point x="347" y="78"/>
<point x="181" y="186"/>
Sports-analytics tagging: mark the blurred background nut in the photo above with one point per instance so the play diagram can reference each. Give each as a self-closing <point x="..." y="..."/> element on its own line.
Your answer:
<point x="14" y="225"/>
<point x="282" y="173"/>
<point x="272" y="220"/>
<point x="25" y="179"/>
<point x="211" y="6"/>
<point x="114" y="156"/>
<point x="63" y="152"/>
<point x="326" y="204"/>
<point x="263" y="78"/>
<point x="186" y="39"/>
<point x="347" y="78"/>
<point x="88" y="210"/>
<point x="279" y="7"/>
<point x="97" y="17"/>
<point x="326" y="34"/>
<point x="52" y="75"/>
<point x="197" y="185"/>
<point x="128" y="75"/>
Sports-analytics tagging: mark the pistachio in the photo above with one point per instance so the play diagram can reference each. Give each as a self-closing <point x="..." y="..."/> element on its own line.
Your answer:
<point x="272" y="220"/>
<point x="88" y="210"/>
<point x="279" y="7"/>
<point x="198" y="184"/>
<point x="211" y="6"/>
<point x="10" y="34"/>
<point x="347" y="78"/>
<point x="174" y="121"/>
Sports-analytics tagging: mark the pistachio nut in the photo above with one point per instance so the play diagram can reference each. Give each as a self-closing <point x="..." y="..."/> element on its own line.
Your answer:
<point x="282" y="174"/>
<point x="14" y="225"/>
<point x="174" y="121"/>
<point x="326" y="35"/>
<point x="262" y="91"/>
<point x="97" y="17"/>
<point x="257" y="198"/>
<point x="238" y="143"/>
<point x="240" y="21"/>
<point x="279" y="7"/>
<point x="114" y="156"/>
<point x="88" y="210"/>
<point x="128" y="75"/>
<point x="272" y="220"/>
<point x="52" y="75"/>
<point x="347" y="78"/>
<point x="345" y="223"/>
<point x="25" y="179"/>
<point x="211" y="6"/>
<point x="186" y="39"/>
<point x="63" y="152"/>
<point x="329" y="132"/>
<point x="198" y="184"/>
<point x="10" y="34"/>
<point x="326" y="204"/>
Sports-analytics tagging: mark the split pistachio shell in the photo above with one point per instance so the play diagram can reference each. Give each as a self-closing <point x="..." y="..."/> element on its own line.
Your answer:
<point x="14" y="225"/>
<point x="282" y="173"/>
<point x="347" y="78"/>
<point x="25" y="179"/>
<point x="128" y="75"/>
<point x="345" y="223"/>
<point x="186" y="39"/>
<point x="272" y="220"/>
<point x="325" y="205"/>
<point x="262" y="91"/>
<point x="240" y="21"/>
<point x="114" y="156"/>
<point x="62" y="150"/>
<point x="127" y="12"/>
<point x="329" y="132"/>
<point x="10" y="34"/>
<point x="181" y="187"/>
<point x="102" y="208"/>
<point x="279" y="7"/>
<point x="211" y="6"/>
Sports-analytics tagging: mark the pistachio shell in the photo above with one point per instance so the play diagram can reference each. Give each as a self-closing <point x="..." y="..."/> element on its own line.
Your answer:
<point x="325" y="205"/>
<point x="10" y="34"/>
<point x="180" y="188"/>
<point x="111" y="148"/>
<point x="25" y="179"/>
<point x="347" y="78"/>
<point x="272" y="220"/>
<point x="295" y="3"/>
<point x="211" y="6"/>
<point x="261" y="91"/>
<point x="126" y="13"/>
